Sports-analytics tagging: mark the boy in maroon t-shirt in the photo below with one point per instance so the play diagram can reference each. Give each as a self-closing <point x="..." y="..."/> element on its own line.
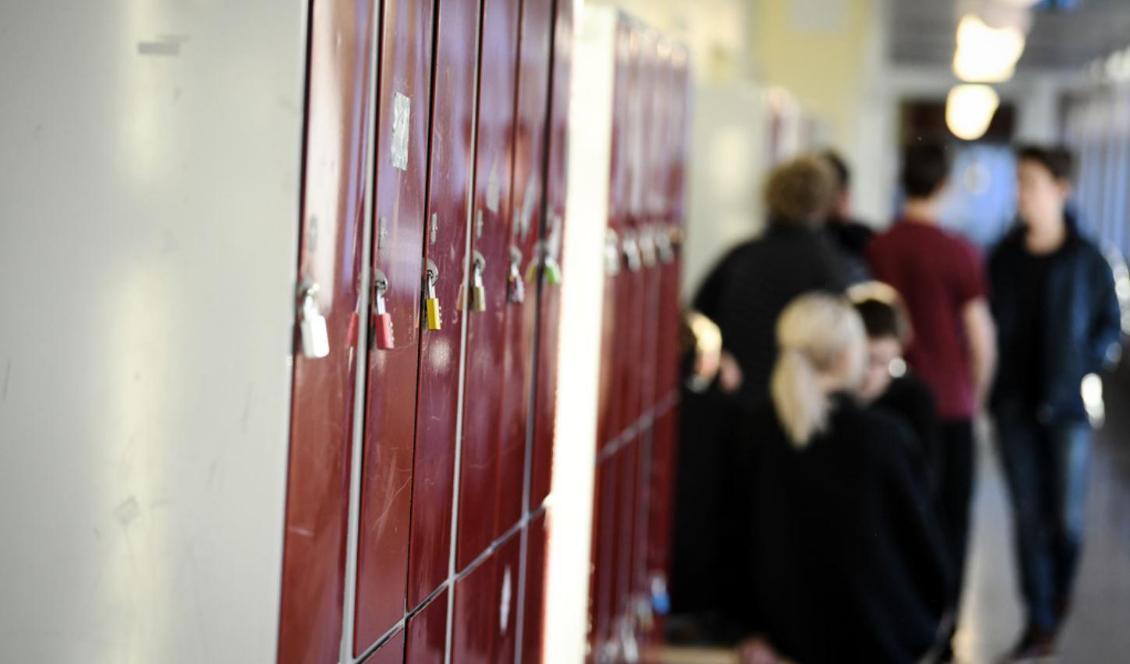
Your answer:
<point x="941" y="278"/>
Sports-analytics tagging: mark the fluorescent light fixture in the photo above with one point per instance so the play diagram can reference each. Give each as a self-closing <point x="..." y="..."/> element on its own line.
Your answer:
<point x="970" y="110"/>
<point x="986" y="54"/>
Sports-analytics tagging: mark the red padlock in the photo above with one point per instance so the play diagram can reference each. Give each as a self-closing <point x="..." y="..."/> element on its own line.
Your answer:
<point x="382" y="321"/>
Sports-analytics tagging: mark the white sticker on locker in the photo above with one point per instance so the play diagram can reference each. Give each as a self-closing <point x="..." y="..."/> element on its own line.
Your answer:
<point x="504" y="605"/>
<point x="401" y="110"/>
<point x="529" y="201"/>
<point x="494" y="189"/>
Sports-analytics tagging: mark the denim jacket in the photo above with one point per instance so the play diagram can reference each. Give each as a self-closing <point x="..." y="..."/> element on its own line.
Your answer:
<point x="1081" y="330"/>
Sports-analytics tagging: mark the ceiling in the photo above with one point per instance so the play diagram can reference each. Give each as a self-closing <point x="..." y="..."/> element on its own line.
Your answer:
<point x="922" y="33"/>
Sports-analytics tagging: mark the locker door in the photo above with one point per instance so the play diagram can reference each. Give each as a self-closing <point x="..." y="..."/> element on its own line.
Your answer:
<point x="549" y="298"/>
<point x="449" y="182"/>
<point x="398" y="224"/>
<point x="605" y="545"/>
<point x="526" y="208"/>
<point x="483" y="485"/>
<point x="391" y="652"/>
<point x="610" y="422"/>
<point x="427" y="633"/>
<point x="533" y="611"/>
<point x="322" y="407"/>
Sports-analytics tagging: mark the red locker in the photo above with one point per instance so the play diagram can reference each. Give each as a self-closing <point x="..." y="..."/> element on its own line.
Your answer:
<point x="490" y="470"/>
<point x="445" y="249"/>
<point x="427" y="633"/>
<point x="486" y="609"/>
<point x="391" y="652"/>
<point x="526" y="207"/>
<point x="333" y="197"/>
<point x="533" y="612"/>
<point x="611" y="414"/>
<point x="602" y="587"/>
<point x="398" y="224"/>
<point x="549" y="298"/>
<point x="627" y="520"/>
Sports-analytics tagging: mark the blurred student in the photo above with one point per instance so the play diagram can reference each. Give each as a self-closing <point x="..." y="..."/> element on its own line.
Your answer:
<point x="742" y="298"/>
<point x="846" y="560"/>
<point x="889" y="384"/>
<point x="849" y="235"/>
<point x="941" y="279"/>
<point x="1058" y="322"/>
<point x="747" y="290"/>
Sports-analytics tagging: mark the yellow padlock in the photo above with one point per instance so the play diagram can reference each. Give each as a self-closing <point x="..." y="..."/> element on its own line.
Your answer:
<point x="433" y="317"/>
<point x="432" y="314"/>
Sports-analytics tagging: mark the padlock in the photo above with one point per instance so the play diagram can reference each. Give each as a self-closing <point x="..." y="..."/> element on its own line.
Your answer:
<point x="552" y="271"/>
<point x="478" y="290"/>
<point x="383" y="335"/>
<point x="631" y="251"/>
<point x="516" y="289"/>
<point x="432" y="314"/>
<point x="312" y="326"/>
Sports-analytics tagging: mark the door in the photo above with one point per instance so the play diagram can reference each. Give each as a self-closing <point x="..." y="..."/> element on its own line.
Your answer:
<point x="398" y="225"/>
<point x="333" y="198"/>
<point x="445" y="249"/>
<point x="487" y="480"/>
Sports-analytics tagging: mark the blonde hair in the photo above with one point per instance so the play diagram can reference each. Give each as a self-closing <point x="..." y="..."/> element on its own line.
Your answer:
<point x="817" y="334"/>
<point x="801" y="190"/>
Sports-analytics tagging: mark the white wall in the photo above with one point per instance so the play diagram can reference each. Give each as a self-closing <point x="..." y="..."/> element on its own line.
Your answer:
<point x="148" y="218"/>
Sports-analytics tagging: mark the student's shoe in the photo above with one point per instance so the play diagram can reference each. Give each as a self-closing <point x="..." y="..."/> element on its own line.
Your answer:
<point x="1036" y="645"/>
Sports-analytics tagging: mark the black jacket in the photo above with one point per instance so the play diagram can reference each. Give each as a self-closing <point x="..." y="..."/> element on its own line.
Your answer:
<point x="1080" y="330"/>
<point x="847" y="561"/>
<point x="749" y="288"/>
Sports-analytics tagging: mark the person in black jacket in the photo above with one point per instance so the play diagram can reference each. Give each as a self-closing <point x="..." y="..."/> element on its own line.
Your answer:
<point x="889" y="384"/>
<point x="849" y="235"/>
<point x="846" y="562"/>
<point x="743" y="296"/>
<point x="1058" y="321"/>
<point x="747" y="290"/>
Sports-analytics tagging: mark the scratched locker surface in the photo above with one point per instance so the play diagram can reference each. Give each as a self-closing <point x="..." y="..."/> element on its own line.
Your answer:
<point x="398" y="224"/>
<point x="552" y="234"/>
<point x="321" y="416"/>
<point x="485" y="482"/>
<point x="427" y="633"/>
<point x="445" y="246"/>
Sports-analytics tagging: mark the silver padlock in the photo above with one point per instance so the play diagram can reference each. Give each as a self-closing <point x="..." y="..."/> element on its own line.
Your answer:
<point x="312" y="326"/>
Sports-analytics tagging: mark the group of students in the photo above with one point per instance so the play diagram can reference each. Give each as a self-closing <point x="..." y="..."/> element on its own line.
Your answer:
<point x="833" y="453"/>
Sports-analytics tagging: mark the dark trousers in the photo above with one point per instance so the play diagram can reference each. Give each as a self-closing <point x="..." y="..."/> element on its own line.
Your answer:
<point x="1046" y="467"/>
<point x="955" y="493"/>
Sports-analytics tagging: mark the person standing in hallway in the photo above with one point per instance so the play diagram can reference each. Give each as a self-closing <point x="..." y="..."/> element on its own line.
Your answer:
<point x="849" y="235"/>
<point x="941" y="279"/>
<point x="845" y="560"/>
<point x="1058" y="321"/>
<point x="749" y="288"/>
<point x="743" y="296"/>
<point x="889" y="385"/>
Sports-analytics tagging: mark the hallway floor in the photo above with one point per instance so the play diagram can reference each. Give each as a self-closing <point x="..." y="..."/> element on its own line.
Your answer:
<point x="1099" y="628"/>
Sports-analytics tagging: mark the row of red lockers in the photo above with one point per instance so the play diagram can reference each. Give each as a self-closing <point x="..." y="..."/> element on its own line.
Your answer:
<point x="471" y="103"/>
<point x="637" y="424"/>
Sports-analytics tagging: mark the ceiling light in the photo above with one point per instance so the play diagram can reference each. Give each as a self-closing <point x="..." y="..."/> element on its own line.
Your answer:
<point x="970" y="110"/>
<point x="986" y="54"/>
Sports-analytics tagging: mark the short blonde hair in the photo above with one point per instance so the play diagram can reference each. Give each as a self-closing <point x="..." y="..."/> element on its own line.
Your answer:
<point x="801" y="190"/>
<point x="815" y="334"/>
